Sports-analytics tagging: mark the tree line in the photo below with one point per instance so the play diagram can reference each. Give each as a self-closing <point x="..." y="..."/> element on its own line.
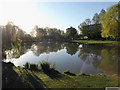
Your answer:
<point x="49" y="34"/>
<point x="13" y="36"/>
<point x="104" y="25"/>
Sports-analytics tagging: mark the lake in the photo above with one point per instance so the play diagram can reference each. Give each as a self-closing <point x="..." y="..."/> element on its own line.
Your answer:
<point x="78" y="58"/>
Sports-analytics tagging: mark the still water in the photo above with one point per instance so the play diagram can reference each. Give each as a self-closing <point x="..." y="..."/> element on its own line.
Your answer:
<point x="78" y="58"/>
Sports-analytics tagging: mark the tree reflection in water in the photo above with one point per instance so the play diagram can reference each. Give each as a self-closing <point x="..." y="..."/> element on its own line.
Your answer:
<point x="72" y="48"/>
<point x="46" y="47"/>
<point x="105" y="57"/>
<point x="12" y="53"/>
<point x="96" y="57"/>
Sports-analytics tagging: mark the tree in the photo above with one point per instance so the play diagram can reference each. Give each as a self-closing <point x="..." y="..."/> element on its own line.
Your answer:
<point x="88" y="21"/>
<point x="33" y="32"/>
<point x="110" y="22"/>
<point x="92" y="31"/>
<point x="46" y="33"/>
<point x="71" y="33"/>
<point x="95" y="19"/>
<point x="83" y="27"/>
<point x="102" y="12"/>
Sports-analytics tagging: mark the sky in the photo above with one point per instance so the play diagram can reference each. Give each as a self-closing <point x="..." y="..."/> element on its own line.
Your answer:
<point x="60" y="15"/>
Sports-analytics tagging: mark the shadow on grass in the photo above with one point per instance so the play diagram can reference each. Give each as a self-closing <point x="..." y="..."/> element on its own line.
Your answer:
<point x="69" y="73"/>
<point x="52" y="73"/>
<point x="45" y="67"/>
<point x="10" y="77"/>
<point x="19" y="78"/>
<point x="34" y="80"/>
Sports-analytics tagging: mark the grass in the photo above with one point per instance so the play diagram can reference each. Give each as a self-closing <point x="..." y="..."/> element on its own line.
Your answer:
<point x="97" y="42"/>
<point x="44" y="66"/>
<point x="17" y="77"/>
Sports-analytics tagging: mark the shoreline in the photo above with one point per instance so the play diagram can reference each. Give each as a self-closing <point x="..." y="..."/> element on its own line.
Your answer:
<point x="96" y="42"/>
<point x="34" y="78"/>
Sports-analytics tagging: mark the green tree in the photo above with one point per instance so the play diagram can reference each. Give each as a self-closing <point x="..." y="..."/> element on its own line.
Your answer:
<point x="71" y="33"/>
<point x="111" y="22"/>
<point x="93" y="33"/>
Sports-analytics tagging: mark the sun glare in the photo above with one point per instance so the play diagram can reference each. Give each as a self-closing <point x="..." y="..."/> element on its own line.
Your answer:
<point x="23" y="14"/>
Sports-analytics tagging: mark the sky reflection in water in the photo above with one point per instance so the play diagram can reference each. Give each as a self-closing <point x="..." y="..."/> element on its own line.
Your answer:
<point x="78" y="58"/>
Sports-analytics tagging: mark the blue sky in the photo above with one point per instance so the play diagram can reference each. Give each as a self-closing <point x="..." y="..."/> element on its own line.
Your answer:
<point x="68" y="14"/>
<point x="59" y="15"/>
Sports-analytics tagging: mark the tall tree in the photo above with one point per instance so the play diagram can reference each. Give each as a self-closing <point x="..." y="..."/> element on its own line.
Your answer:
<point x="102" y="12"/>
<point x="95" y="19"/>
<point x="111" y="22"/>
<point x="88" y="21"/>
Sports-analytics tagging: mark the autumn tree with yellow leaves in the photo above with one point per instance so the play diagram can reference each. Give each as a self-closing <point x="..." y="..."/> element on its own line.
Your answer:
<point x="111" y="23"/>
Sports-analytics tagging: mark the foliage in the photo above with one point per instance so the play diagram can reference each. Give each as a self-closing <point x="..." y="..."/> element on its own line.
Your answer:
<point x="54" y="66"/>
<point x="13" y="36"/>
<point x="95" y="19"/>
<point x="45" y="66"/>
<point x="91" y="31"/>
<point x="47" y="33"/>
<point x="92" y="28"/>
<point x="110" y="23"/>
<point x="33" y="66"/>
<point x="71" y="33"/>
<point x="27" y="65"/>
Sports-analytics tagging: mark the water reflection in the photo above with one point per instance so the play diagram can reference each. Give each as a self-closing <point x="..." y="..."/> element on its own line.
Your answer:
<point x="78" y="58"/>
<point x="105" y="57"/>
<point x="86" y="63"/>
<point x="109" y="63"/>
<point x="72" y="48"/>
<point x="45" y="47"/>
<point x="12" y="53"/>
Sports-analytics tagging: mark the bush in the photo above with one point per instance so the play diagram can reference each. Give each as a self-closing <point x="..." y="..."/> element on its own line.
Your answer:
<point x="54" y="66"/>
<point x="45" y="66"/>
<point x="33" y="66"/>
<point x="26" y="65"/>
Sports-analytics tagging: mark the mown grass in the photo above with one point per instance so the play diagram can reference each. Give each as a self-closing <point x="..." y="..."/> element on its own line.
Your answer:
<point x="96" y="42"/>
<point x="27" y="78"/>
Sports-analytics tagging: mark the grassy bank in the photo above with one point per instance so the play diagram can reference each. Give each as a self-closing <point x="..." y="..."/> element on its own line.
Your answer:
<point x="26" y="78"/>
<point x="97" y="42"/>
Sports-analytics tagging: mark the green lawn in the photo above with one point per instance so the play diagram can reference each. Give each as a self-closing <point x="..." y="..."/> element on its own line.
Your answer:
<point x="24" y="78"/>
<point x="97" y="41"/>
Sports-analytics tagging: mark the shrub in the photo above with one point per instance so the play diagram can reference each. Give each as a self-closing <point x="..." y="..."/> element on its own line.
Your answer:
<point x="26" y="65"/>
<point x="45" y="66"/>
<point x="33" y="66"/>
<point x="54" y="66"/>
